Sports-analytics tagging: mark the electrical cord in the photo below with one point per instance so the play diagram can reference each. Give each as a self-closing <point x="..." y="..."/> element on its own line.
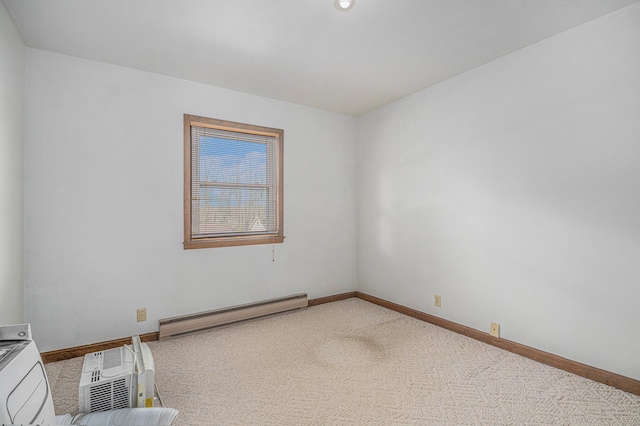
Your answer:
<point x="158" y="394"/>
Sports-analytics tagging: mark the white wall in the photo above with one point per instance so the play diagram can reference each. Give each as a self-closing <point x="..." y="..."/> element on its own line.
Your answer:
<point x="513" y="191"/>
<point x="12" y="66"/>
<point x="104" y="210"/>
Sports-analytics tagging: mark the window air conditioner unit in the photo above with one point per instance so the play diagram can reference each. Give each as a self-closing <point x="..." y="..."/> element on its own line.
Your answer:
<point x="117" y="378"/>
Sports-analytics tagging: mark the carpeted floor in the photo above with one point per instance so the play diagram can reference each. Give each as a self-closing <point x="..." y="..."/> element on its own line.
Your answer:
<point x="352" y="362"/>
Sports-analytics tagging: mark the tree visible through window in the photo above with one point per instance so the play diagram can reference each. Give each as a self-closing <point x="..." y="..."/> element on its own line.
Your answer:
<point x="233" y="183"/>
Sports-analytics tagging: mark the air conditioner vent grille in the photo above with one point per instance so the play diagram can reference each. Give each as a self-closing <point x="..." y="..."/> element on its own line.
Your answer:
<point x="109" y="396"/>
<point x="120" y="394"/>
<point x="95" y="376"/>
<point x="101" y="397"/>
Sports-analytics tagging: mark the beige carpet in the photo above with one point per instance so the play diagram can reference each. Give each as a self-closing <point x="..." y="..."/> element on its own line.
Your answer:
<point x="352" y="362"/>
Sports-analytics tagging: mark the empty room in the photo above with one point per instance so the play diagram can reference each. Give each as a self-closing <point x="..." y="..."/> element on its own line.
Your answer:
<point x="323" y="211"/>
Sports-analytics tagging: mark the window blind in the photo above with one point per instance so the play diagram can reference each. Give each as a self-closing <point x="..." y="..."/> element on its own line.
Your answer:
<point x="233" y="183"/>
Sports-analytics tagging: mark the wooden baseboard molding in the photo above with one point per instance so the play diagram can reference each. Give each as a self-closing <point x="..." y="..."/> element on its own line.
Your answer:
<point x="68" y="353"/>
<point x="618" y="381"/>
<point x="334" y="298"/>
<point x="62" y="354"/>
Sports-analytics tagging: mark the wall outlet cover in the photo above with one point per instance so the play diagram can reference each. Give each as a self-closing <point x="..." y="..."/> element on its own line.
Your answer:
<point x="495" y="329"/>
<point x="141" y="314"/>
<point x="437" y="300"/>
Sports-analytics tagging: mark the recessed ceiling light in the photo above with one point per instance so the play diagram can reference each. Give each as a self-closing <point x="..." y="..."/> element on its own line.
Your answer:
<point x="343" y="5"/>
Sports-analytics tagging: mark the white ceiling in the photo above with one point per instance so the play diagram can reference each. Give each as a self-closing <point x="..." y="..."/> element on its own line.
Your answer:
<point x="301" y="51"/>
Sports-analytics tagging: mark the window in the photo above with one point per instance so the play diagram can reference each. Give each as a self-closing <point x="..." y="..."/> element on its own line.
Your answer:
<point x="232" y="183"/>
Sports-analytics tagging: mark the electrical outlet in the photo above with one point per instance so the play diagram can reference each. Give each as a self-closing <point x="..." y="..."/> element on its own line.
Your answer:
<point x="495" y="329"/>
<point x="141" y="314"/>
<point x="437" y="300"/>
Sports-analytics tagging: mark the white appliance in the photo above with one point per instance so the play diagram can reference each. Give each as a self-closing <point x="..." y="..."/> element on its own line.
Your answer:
<point x="25" y="396"/>
<point x="145" y="369"/>
<point x="117" y="378"/>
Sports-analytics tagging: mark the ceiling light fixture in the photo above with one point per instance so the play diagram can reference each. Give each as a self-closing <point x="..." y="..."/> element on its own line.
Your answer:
<point x="344" y="5"/>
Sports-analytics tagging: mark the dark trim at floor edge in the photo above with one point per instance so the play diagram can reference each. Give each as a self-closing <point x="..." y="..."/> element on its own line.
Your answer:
<point x="68" y="353"/>
<point x="618" y="381"/>
<point x="615" y="380"/>
<point x="334" y="298"/>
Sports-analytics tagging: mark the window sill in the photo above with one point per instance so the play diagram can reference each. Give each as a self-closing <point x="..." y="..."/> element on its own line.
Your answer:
<point x="232" y="241"/>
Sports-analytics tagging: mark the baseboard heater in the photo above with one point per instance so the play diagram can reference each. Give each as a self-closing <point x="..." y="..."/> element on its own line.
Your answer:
<point x="185" y="324"/>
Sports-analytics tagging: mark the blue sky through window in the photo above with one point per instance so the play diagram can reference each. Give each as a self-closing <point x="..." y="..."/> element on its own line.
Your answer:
<point x="229" y="160"/>
<point x="225" y="160"/>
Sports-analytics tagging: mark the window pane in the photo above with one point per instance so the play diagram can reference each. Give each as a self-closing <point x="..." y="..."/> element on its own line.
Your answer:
<point x="232" y="161"/>
<point x="232" y="210"/>
<point x="233" y="183"/>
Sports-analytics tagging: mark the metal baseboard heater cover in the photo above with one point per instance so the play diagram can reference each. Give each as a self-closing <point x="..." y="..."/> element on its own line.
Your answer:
<point x="185" y="324"/>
